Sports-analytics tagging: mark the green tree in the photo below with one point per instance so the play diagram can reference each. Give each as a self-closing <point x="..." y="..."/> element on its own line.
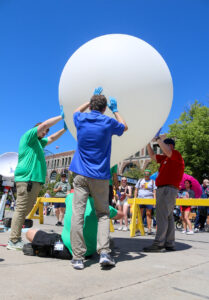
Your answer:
<point x="153" y="166"/>
<point x="191" y="132"/>
<point x="135" y="173"/>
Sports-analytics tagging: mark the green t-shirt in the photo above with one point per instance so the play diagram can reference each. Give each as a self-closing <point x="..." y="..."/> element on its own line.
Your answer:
<point x="113" y="170"/>
<point x="31" y="160"/>
<point x="63" y="192"/>
<point x="89" y="228"/>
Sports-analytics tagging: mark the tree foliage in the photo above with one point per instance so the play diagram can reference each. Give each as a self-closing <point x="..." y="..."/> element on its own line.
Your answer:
<point x="153" y="166"/>
<point x="191" y="132"/>
<point x="134" y="172"/>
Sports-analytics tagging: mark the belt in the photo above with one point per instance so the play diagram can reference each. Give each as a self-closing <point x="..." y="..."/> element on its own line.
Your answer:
<point x="168" y="185"/>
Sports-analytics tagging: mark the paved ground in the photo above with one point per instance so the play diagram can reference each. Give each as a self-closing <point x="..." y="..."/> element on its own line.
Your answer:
<point x="183" y="274"/>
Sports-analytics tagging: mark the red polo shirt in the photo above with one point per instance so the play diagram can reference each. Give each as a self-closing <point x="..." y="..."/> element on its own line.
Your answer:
<point x="171" y="169"/>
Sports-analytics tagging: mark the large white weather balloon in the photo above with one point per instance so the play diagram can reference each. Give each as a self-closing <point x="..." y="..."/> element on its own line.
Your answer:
<point x="128" y="69"/>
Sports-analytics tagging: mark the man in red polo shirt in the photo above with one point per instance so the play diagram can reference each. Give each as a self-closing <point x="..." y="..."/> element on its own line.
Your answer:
<point x="170" y="174"/>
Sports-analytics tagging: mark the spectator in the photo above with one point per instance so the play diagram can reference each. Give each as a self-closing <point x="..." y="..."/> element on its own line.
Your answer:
<point x="203" y="211"/>
<point x="170" y="174"/>
<point x="61" y="188"/>
<point x="145" y="188"/>
<point x="122" y="203"/>
<point x="91" y="168"/>
<point x="113" y="181"/>
<point x="185" y="210"/>
<point x="46" y="204"/>
<point x="30" y="173"/>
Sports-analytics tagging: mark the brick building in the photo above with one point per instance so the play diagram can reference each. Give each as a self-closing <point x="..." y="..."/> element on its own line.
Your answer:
<point x="58" y="163"/>
<point x="140" y="159"/>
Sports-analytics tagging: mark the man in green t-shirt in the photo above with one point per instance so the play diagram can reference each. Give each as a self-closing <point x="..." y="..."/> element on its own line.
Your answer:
<point x="60" y="245"/>
<point x="30" y="173"/>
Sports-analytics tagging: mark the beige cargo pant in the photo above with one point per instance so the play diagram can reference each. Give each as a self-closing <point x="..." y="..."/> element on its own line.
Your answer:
<point x="99" y="190"/>
<point x="24" y="203"/>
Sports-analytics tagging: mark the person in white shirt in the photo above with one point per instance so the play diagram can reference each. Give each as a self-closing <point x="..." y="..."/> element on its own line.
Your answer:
<point x="145" y="188"/>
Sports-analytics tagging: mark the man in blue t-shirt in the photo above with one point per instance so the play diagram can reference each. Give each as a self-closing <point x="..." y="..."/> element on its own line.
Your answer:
<point x="91" y="167"/>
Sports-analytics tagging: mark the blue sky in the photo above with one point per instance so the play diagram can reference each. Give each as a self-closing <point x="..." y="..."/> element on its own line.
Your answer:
<point x="38" y="37"/>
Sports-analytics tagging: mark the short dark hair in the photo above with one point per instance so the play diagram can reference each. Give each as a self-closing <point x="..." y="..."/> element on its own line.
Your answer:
<point x="37" y="124"/>
<point x="98" y="102"/>
<point x="63" y="175"/>
<point x="169" y="141"/>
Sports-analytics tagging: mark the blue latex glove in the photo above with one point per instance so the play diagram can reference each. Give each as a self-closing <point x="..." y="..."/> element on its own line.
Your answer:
<point x="62" y="112"/>
<point x="158" y="133"/>
<point x="98" y="90"/>
<point x="65" y="126"/>
<point x="113" y="105"/>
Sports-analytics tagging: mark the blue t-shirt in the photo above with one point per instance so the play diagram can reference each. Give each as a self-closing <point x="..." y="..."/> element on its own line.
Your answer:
<point x="94" y="136"/>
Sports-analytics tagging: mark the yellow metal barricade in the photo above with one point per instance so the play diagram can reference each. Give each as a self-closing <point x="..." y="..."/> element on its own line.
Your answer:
<point x="39" y="206"/>
<point x="136" y="220"/>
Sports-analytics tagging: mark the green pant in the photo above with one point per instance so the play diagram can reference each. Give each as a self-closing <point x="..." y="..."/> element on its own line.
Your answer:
<point x="24" y="204"/>
<point x="99" y="190"/>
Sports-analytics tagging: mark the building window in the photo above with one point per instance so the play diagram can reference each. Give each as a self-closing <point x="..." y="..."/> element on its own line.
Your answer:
<point x="63" y="161"/>
<point x="137" y="154"/>
<point x="155" y="148"/>
<point x="58" y="162"/>
<point x="147" y="152"/>
<point x="55" y="163"/>
<point x="66" y="161"/>
<point x="69" y="160"/>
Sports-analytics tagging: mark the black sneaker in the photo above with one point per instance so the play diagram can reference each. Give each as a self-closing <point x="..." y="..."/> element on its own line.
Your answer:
<point x="154" y="248"/>
<point x="59" y="223"/>
<point x="106" y="260"/>
<point x="170" y="248"/>
<point x="28" y="249"/>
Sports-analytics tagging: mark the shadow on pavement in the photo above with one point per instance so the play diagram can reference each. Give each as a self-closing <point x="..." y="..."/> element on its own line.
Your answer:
<point x="125" y="249"/>
<point x="147" y="242"/>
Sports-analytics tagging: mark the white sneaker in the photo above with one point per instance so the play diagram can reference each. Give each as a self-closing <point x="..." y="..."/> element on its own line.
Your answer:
<point x="15" y="246"/>
<point x="183" y="231"/>
<point x="106" y="260"/>
<point x="196" y="230"/>
<point x="120" y="228"/>
<point x="125" y="228"/>
<point x="190" y="232"/>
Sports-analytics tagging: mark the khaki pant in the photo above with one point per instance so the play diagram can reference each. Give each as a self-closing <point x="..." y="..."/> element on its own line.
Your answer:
<point x="24" y="204"/>
<point x="165" y="202"/>
<point x="99" y="190"/>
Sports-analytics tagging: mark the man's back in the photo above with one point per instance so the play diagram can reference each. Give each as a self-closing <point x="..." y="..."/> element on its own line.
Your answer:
<point x="94" y="133"/>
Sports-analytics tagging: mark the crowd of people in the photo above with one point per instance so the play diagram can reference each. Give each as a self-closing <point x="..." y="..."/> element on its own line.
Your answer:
<point x="88" y="212"/>
<point x="146" y="188"/>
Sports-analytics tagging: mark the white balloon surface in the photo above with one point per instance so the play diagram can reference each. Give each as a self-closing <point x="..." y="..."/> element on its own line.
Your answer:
<point x="129" y="70"/>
